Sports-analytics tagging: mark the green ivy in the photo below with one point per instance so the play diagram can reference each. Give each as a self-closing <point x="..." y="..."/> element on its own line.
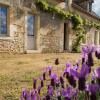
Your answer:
<point x="78" y="23"/>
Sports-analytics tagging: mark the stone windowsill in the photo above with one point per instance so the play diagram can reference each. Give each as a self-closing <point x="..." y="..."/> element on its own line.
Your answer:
<point x="5" y="38"/>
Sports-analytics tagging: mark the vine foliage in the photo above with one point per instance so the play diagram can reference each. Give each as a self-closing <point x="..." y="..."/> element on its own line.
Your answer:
<point x="78" y="23"/>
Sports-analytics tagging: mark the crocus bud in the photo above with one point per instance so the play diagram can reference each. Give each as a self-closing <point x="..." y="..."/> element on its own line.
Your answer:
<point x="42" y="84"/>
<point x="81" y="83"/>
<point x="57" y="61"/>
<point x="49" y="69"/>
<point x="47" y="97"/>
<point x="24" y="93"/>
<point x="39" y="89"/>
<point x="90" y="60"/>
<point x="62" y="81"/>
<point x="34" y="83"/>
<point x="49" y="72"/>
<point x="44" y="76"/>
<point x="52" y="82"/>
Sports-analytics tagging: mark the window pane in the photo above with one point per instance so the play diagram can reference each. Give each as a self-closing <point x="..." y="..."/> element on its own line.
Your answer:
<point x="3" y="20"/>
<point x="30" y="24"/>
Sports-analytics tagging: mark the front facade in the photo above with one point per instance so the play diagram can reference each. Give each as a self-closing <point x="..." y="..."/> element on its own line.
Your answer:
<point x="24" y="29"/>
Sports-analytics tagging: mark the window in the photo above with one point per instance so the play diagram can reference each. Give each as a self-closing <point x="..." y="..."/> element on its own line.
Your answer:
<point x="30" y="26"/>
<point x="3" y="20"/>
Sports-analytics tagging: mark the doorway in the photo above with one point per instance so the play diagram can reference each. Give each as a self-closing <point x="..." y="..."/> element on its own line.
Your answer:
<point x="30" y="32"/>
<point x="66" y="40"/>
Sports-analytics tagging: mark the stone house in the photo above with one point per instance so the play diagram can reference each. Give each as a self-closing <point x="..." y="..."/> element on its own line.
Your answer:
<point x="25" y="29"/>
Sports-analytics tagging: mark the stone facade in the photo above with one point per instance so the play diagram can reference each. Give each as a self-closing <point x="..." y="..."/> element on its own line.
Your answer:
<point x="51" y="33"/>
<point x="48" y="29"/>
<point x="14" y="41"/>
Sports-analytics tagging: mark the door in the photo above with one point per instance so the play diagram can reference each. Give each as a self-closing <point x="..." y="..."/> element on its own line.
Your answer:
<point x="30" y="32"/>
<point x="65" y="36"/>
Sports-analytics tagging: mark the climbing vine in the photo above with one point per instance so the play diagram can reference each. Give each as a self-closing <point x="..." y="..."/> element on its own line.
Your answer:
<point x="78" y="23"/>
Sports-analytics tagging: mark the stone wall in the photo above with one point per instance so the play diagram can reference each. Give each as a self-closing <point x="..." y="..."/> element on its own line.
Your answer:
<point x="14" y="41"/>
<point x="51" y="33"/>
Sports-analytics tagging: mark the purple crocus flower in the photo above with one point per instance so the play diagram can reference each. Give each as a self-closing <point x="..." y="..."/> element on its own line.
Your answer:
<point x="25" y="95"/>
<point x="81" y="76"/>
<point x="42" y="83"/>
<point x="97" y="75"/>
<point x="34" y="83"/>
<point x="62" y="81"/>
<point x="68" y="65"/>
<point x="53" y="79"/>
<point x="44" y="76"/>
<point x="57" y="81"/>
<point x="93" y="88"/>
<point x="39" y="89"/>
<point x="97" y="52"/>
<point x="90" y="61"/>
<point x="76" y="67"/>
<point x="72" y="80"/>
<point x="49" y="69"/>
<point x="67" y="70"/>
<point x="68" y="93"/>
<point x="58" y="95"/>
<point x="50" y="90"/>
<point x="34" y="95"/>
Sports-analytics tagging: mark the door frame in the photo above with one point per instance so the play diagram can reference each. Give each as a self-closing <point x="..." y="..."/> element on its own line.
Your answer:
<point x="26" y="36"/>
<point x="66" y="37"/>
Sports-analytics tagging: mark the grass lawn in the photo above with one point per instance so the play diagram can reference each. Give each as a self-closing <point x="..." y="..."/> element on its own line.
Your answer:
<point x="17" y="71"/>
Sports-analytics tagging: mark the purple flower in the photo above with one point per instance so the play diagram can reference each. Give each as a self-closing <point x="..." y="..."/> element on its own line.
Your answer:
<point x="50" y="90"/>
<point x="62" y="81"/>
<point x="84" y="70"/>
<point x="68" y="65"/>
<point x="68" y="93"/>
<point x="49" y="69"/>
<point x="97" y="72"/>
<point x="39" y="89"/>
<point x="97" y="75"/>
<point x="93" y="89"/>
<point x="76" y="67"/>
<point x="34" y="95"/>
<point x="34" y="83"/>
<point x="42" y="83"/>
<point x="90" y="61"/>
<point x="97" y="53"/>
<point x="53" y="79"/>
<point x="57" y="82"/>
<point x="25" y="95"/>
<point x="44" y="76"/>
<point x="53" y="76"/>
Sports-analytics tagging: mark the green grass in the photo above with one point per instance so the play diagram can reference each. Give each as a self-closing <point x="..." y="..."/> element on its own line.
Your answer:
<point x="17" y="71"/>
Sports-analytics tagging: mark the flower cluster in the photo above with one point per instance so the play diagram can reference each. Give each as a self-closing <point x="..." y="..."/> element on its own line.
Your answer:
<point x="71" y="83"/>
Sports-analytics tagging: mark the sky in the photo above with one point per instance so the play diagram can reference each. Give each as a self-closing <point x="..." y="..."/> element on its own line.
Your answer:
<point x="96" y="6"/>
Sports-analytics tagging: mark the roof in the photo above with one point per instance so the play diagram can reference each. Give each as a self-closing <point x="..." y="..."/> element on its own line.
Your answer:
<point x="82" y="1"/>
<point x="79" y="8"/>
<point x="92" y="14"/>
